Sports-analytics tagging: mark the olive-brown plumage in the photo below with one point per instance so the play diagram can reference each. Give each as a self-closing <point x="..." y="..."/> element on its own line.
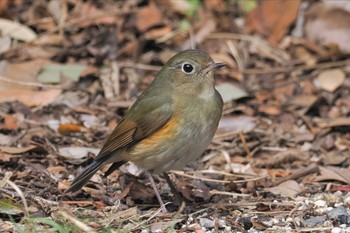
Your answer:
<point x="171" y="123"/>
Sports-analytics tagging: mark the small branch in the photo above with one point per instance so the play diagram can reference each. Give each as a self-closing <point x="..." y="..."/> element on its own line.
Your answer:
<point x="29" y="84"/>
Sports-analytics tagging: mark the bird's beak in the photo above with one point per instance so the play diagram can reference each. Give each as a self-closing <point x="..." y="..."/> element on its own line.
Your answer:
<point x="217" y="65"/>
<point x="214" y="65"/>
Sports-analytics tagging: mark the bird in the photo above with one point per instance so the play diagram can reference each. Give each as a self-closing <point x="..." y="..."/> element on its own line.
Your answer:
<point x="170" y="124"/>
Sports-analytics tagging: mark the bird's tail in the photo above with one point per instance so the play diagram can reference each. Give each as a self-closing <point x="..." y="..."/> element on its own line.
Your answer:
<point x="84" y="177"/>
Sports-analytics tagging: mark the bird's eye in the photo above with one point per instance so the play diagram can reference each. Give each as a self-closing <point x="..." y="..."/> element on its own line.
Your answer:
<point x="187" y="68"/>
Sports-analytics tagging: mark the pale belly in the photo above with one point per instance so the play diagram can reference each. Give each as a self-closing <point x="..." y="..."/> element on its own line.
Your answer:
<point x="173" y="153"/>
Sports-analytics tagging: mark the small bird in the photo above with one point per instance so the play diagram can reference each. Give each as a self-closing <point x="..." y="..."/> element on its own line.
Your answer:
<point x="171" y="123"/>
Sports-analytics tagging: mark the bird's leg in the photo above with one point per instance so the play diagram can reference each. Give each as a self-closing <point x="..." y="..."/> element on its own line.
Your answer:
<point x="173" y="189"/>
<point x="164" y="210"/>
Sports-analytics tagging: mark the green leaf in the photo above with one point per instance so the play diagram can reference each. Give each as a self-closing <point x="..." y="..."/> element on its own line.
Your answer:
<point x="184" y="25"/>
<point x="61" y="228"/>
<point x="195" y="4"/>
<point x="247" y="5"/>
<point x="7" y="206"/>
<point x="54" y="73"/>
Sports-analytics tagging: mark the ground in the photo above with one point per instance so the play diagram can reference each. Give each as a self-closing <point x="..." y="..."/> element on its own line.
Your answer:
<point x="279" y="161"/>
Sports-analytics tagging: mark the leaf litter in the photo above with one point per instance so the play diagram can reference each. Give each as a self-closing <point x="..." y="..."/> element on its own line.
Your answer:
<point x="279" y="160"/>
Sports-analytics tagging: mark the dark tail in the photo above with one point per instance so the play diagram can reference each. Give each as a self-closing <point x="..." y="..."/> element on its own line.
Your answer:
<point x="84" y="177"/>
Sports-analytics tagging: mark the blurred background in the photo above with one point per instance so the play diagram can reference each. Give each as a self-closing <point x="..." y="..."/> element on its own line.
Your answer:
<point x="69" y="70"/>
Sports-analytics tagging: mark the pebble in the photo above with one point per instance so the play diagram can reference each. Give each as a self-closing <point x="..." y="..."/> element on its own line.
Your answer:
<point x="206" y="223"/>
<point x="336" y="230"/>
<point x="320" y="203"/>
<point x="313" y="221"/>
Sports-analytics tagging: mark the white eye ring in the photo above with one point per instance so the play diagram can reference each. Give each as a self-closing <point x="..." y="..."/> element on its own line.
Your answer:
<point x="187" y="68"/>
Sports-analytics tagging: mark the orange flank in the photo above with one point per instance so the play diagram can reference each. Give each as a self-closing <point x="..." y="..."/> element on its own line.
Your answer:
<point x="166" y="132"/>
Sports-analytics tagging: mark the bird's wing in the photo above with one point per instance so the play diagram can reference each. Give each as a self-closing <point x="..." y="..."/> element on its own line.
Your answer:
<point x="143" y="119"/>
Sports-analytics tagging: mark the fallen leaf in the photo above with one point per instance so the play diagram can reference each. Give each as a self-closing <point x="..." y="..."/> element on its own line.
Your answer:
<point x="163" y="226"/>
<point x="77" y="155"/>
<point x="8" y="122"/>
<point x="88" y="15"/>
<point x="71" y="128"/>
<point x="332" y="158"/>
<point x="180" y="6"/>
<point x="304" y="100"/>
<point x="18" y="150"/>
<point x="330" y="80"/>
<point x="326" y="24"/>
<point x="236" y="124"/>
<point x="55" y="73"/>
<point x="21" y="72"/>
<point x="230" y="92"/>
<point x="16" y="30"/>
<point x="148" y="17"/>
<point x="273" y="18"/>
<point x="271" y="110"/>
<point x="7" y="139"/>
<point x="289" y="188"/>
<point x="156" y="33"/>
<point x="334" y="173"/>
<point x="340" y="121"/>
<point x="5" y="44"/>
<point x="31" y="98"/>
<point x="5" y="157"/>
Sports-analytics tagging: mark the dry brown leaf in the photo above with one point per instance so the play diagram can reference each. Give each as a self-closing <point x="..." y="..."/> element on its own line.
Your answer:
<point x="31" y="98"/>
<point x="180" y="6"/>
<point x="272" y="18"/>
<point x="327" y="24"/>
<point x="332" y="158"/>
<point x="330" y="80"/>
<point x="304" y="55"/>
<point x="148" y="17"/>
<point x="271" y="110"/>
<point x="3" y="6"/>
<point x="24" y="72"/>
<point x="17" y="150"/>
<point x="71" y="128"/>
<point x="77" y="154"/>
<point x="219" y="5"/>
<point x="8" y="122"/>
<point x="236" y="124"/>
<point x="340" y="121"/>
<point x="5" y="157"/>
<point x="57" y="169"/>
<point x="335" y="174"/>
<point x="157" y="32"/>
<point x="289" y="188"/>
<point x="304" y="100"/>
<point x="86" y="12"/>
<point x="273" y="173"/>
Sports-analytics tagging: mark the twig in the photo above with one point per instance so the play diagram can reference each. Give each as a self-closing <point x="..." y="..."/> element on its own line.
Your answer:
<point x="30" y="84"/>
<point x="76" y="222"/>
<point x="80" y="20"/>
<point x="216" y="192"/>
<point x="300" y="173"/>
<point x="217" y="181"/>
<point x="139" y="66"/>
<point x="32" y="197"/>
<point x="268" y="212"/>
<point x="315" y="229"/>
<point x="148" y="219"/>
<point x="21" y="195"/>
<point x="247" y="204"/>
<point x="223" y="173"/>
<point x="287" y="69"/>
